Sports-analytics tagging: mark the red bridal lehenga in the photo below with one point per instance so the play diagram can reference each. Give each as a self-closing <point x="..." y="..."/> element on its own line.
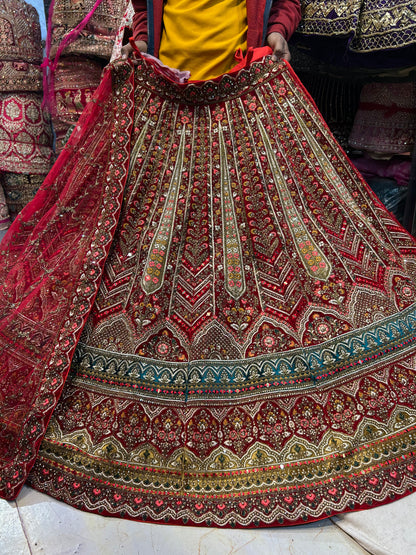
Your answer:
<point x="240" y="309"/>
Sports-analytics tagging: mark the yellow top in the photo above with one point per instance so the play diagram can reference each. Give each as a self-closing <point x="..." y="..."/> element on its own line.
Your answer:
<point x="202" y="36"/>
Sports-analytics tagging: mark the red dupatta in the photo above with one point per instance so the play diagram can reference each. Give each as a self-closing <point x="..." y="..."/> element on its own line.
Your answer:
<point x="52" y="260"/>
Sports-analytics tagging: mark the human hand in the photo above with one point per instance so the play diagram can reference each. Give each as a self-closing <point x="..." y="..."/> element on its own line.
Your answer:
<point x="280" y="48"/>
<point x="127" y="49"/>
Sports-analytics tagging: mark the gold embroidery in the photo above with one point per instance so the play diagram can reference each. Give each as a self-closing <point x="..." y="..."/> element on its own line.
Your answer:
<point x="233" y="258"/>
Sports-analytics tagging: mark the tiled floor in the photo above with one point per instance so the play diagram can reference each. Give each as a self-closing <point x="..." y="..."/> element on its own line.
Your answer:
<point x="37" y="524"/>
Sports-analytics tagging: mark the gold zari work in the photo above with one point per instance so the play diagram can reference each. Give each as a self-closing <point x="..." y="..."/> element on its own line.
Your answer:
<point x="373" y="25"/>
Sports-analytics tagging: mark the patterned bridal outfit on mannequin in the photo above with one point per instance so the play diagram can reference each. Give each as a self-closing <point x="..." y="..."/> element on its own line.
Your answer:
<point x="239" y="308"/>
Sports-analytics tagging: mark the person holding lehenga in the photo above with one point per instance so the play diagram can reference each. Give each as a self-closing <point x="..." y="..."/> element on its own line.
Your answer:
<point x="207" y="317"/>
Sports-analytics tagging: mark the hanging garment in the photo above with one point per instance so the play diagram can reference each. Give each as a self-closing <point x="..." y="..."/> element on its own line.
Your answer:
<point x="364" y="33"/>
<point x="246" y="304"/>
<point x="20" y="47"/>
<point x="25" y="133"/>
<point x="97" y="38"/>
<point x="124" y="31"/>
<point x="80" y="41"/>
<point x="74" y="82"/>
<point x="185" y="32"/>
<point x="19" y="189"/>
<point x="385" y="122"/>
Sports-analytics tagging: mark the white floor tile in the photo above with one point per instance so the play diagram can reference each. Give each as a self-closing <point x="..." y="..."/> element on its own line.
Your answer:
<point x="12" y="537"/>
<point x="386" y="530"/>
<point x="54" y="528"/>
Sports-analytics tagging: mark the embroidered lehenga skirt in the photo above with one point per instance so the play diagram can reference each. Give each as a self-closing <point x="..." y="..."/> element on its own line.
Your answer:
<point x="239" y="309"/>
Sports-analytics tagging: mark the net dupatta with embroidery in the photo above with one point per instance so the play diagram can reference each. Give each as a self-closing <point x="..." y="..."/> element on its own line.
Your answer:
<point x="249" y="357"/>
<point x="53" y="257"/>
